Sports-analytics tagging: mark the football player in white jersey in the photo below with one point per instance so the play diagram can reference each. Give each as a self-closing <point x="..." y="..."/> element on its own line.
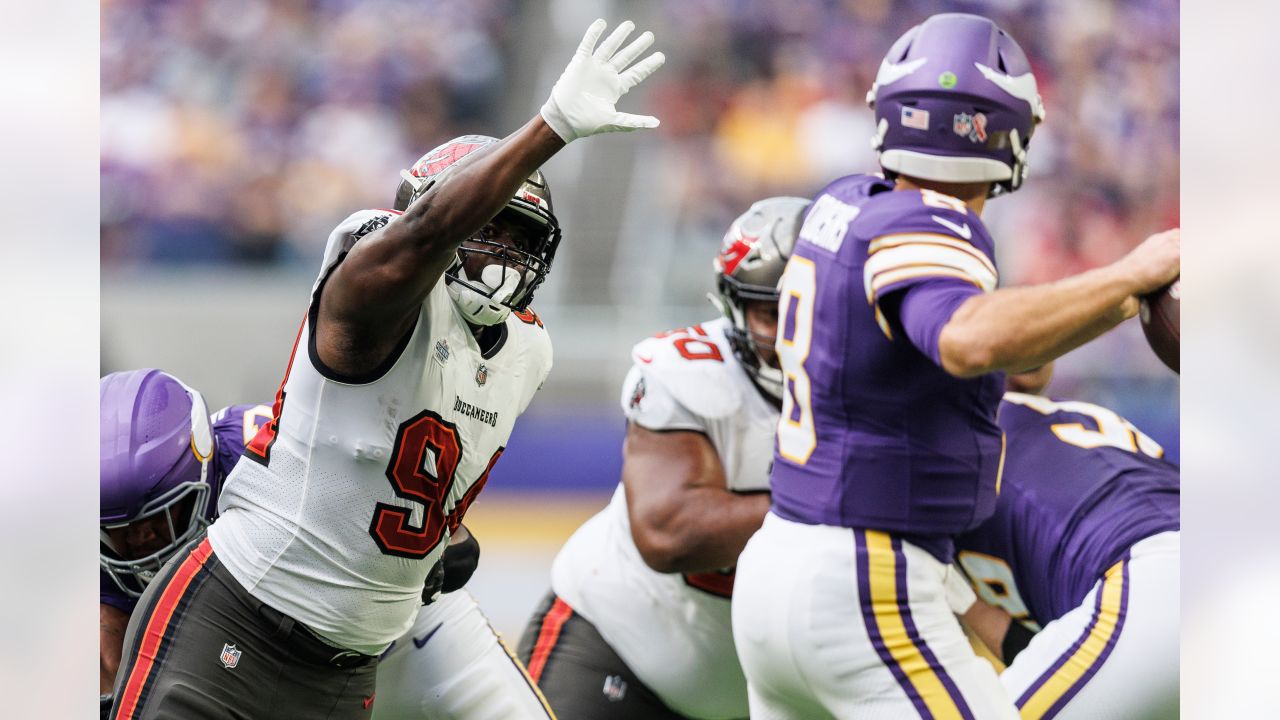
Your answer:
<point x="160" y="450"/>
<point x="637" y="624"/>
<point x="383" y="431"/>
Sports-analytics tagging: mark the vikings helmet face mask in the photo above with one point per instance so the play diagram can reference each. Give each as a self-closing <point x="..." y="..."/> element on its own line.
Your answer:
<point x="750" y="264"/>
<point x="955" y="101"/>
<point x="156" y="458"/>
<point x="502" y="276"/>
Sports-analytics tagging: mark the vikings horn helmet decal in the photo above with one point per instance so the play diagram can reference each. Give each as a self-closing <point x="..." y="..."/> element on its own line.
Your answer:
<point x="750" y="264"/>
<point x="956" y="101"/>
<point x="156" y="460"/>
<point x="511" y="274"/>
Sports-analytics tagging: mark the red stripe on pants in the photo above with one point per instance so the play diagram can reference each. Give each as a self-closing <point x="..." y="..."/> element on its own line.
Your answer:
<point x="157" y="626"/>
<point x="547" y="636"/>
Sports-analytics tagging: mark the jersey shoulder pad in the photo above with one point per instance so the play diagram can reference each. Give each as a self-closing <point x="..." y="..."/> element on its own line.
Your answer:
<point x="355" y="226"/>
<point x="694" y="365"/>
<point x="923" y="212"/>
<point x="533" y="335"/>
<point x="913" y="235"/>
<point x="828" y="221"/>
<point x="855" y="189"/>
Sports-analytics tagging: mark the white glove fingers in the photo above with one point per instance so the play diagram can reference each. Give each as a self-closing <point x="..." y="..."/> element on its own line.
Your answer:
<point x="614" y="41"/>
<point x="627" y="121"/>
<point x="632" y="51"/>
<point x="589" y="40"/>
<point x="642" y="70"/>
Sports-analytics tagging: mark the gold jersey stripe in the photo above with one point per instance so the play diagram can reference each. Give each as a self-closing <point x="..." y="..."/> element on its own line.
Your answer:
<point x="918" y="255"/>
<point x="893" y="276"/>
<point x="889" y="241"/>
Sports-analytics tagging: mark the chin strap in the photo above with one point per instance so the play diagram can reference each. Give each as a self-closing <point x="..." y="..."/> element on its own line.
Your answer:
<point x="481" y="308"/>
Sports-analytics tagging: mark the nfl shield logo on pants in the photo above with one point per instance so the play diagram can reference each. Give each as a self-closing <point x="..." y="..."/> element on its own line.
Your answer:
<point x="230" y="656"/>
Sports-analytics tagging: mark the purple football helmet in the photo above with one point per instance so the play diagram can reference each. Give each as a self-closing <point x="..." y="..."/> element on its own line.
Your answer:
<point x="956" y="101"/>
<point x="156" y="463"/>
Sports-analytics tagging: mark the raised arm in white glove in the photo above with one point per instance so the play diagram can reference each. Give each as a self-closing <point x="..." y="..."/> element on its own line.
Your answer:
<point x="583" y="99"/>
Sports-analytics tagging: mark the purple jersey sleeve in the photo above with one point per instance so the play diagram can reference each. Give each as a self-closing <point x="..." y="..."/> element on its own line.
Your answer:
<point x="917" y="238"/>
<point x="926" y="308"/>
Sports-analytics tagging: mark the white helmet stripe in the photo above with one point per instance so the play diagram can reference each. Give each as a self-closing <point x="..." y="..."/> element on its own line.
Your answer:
<point x="1022" y="87"/>
<point x="890" y="73"/>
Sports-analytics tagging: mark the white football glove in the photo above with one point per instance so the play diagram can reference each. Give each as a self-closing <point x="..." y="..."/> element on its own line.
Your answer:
<point x="960" y="595"/>
<point x="582" y="101"/>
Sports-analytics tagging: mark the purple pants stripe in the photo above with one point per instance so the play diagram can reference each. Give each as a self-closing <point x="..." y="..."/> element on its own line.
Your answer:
<point x="873" y="628"/>
<point x="900" y="569"/>
<point x="901" y="605"/>
<point x="1073" y="653"/>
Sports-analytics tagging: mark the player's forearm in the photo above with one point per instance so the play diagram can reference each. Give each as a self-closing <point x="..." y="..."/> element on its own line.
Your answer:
<point x="708" y="531"/>
<point x="1014" y="329"/>
<point x="482" y="185"/>
<point x="111" y="629"/>
<point x="990" y="624"/>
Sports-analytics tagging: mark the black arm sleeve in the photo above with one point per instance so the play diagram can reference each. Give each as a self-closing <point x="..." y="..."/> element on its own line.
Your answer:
<point x="460" y="563"/>
<point x="1017" y="638"/>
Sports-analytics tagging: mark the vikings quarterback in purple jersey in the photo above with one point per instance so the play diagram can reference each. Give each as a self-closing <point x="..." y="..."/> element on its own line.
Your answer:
<point x="1083" y="550"/>
<point x="163" y="461"/>
<point x="893" y="340"/>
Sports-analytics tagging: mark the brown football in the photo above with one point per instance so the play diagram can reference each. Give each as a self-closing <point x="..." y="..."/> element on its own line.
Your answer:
<point x="1159" y="313"/>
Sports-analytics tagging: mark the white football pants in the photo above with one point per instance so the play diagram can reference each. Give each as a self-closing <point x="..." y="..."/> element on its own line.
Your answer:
<point x="1115" y="657"/>
<point x="832" y="622"/>
<point x="452" y="665"/>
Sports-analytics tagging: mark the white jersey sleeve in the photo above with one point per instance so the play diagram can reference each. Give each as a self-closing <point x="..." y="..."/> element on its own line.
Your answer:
<point x="344" y="237"/>
<point x="683" y="380"/>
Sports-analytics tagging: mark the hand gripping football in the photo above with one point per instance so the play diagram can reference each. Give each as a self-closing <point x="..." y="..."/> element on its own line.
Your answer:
<point x="1159" y="313"/>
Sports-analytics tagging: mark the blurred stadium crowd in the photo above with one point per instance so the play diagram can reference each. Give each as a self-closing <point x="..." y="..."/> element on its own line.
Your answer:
<point x="236" y="133"/>
<point x="228" y="124"/>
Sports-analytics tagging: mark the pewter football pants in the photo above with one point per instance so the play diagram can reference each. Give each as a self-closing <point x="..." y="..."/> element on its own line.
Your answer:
<point x="200" y="646"/>
<point x="1115" y="656"/>
<point x="581" y="675"/>
<point x="833" y="622"/>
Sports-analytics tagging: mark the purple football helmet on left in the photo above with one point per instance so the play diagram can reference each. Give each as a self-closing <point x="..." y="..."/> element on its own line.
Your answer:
<point x="155" y="467"/>
<point x="956" y="101"/>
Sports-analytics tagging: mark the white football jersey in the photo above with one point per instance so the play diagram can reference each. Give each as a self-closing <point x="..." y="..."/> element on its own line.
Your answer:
<point x="674" y="630"/>
<point x="344" y="503"/>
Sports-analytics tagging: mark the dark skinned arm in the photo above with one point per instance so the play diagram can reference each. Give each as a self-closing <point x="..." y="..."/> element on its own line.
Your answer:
<point x="683" y="517"/>
<point x="990" y="624"/>
<point x="372" y="298"/>
<point x="112" y="623"/>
